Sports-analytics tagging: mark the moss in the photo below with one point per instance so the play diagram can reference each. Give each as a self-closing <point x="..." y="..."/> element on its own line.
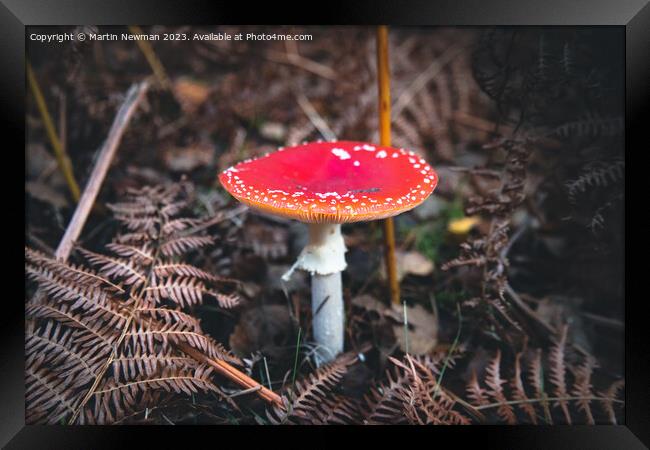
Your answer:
<point x="431" y="236"/>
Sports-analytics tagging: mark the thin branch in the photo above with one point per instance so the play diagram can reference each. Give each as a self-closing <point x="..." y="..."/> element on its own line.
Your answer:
<point x="295" y="59"/>
<point x="233" y="374"/>
<point x="315" y="118"/>
<point x="218" y="218"/>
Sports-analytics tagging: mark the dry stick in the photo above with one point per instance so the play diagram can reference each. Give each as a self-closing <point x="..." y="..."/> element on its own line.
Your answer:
<point x="293" y="57"/>
<point x="133" y="98"/>
<point x="384" y="129"/>
<point x="61" y="156"/>
<point x="220" y="217"/>
<point x="235" y="375"/>
<point x="315" y="118"/>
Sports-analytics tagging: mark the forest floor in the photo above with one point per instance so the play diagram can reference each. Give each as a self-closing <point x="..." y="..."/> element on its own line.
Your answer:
<point x="516" y="255"/>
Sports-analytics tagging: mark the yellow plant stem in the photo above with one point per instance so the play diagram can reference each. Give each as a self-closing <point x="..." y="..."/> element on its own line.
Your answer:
<point x="152" y="59"/>
<point x="61" y="156"/>
<point x="383" y="77"/>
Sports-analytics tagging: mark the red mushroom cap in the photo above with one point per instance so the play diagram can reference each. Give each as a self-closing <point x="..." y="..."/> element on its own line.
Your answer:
<point x="332" y="182"/>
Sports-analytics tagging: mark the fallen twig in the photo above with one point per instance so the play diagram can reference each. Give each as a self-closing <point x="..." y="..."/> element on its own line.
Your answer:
<point x="315" y="118"/>
<point x="294" y="58"/>
<point x="233" y="374"/>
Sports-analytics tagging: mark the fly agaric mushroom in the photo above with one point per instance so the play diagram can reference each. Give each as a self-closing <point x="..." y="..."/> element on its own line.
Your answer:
<point x="326" y="184"/>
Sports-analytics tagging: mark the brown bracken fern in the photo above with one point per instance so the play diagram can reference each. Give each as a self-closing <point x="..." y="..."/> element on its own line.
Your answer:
<point x="524" y="398"/>
<point x="532" y="388"/>
<point x="313" y="401"/>
<point x="102" y="343"/>
<point x="410" y="395"/>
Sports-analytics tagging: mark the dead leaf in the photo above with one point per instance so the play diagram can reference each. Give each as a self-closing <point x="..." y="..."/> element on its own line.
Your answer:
<point x="185" y="159"/>
<point x="422" y="333"/>
<point x="266" y="328"/>
<point x="462" y="226"/>
<point x="191" y="94"/>
<point x="369" y="303"/>
<point x="411" y="263"/>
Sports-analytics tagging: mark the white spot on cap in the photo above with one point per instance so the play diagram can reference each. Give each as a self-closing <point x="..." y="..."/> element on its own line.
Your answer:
<point x="327" y="194"/>
<point x="356" y="163"/>
<point x="342" y="154"/>
<point x="381" y="154"/>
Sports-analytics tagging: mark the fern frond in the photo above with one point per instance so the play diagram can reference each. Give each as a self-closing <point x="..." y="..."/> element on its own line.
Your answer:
<point x="181" y="245"/>
<point x="181" y="224"/>
<point x="384" y="402"/>
<point x="182" y="270"/>
<point x="96" y="351"/>
<point x="184" y="291"/>
<point x="68" y="271"/>
<point x="596" y="176"/>
<point x="226" y="301"/>
<point x="138" y="253"/>
<point x="609" y="396"/>
<point x="426" y="403"/>
<point x="131" y="364"/>
<point x="494" y="382"/>
<point x="306" y="404"/>
<point x="475" y="392"/>
<point x="557" y="372"/>
<point x="132" y="209"/>
<point x="57" y="347"/>
<point x="116" y="399"/>
<point x="582" y="388"/>
<point x="50" y="396"/>
<point x="519" y="393"/>
<point x="135" y="239"/>
<point x="97" y="333"/>
<point x="139" y="223"/>
<point x="172" y="209"/>
<point x="149" y="336"/>
<point x="116" y="268"/>
<point x="169" y="316"/>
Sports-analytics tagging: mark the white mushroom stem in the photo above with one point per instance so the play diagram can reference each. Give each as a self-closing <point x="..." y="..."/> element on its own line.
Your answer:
<point x="324" y="258"/>
<point x="327" y="315"/>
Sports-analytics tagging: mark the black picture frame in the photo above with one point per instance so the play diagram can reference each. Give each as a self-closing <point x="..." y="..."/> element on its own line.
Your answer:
<point x="633" y="15"/>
